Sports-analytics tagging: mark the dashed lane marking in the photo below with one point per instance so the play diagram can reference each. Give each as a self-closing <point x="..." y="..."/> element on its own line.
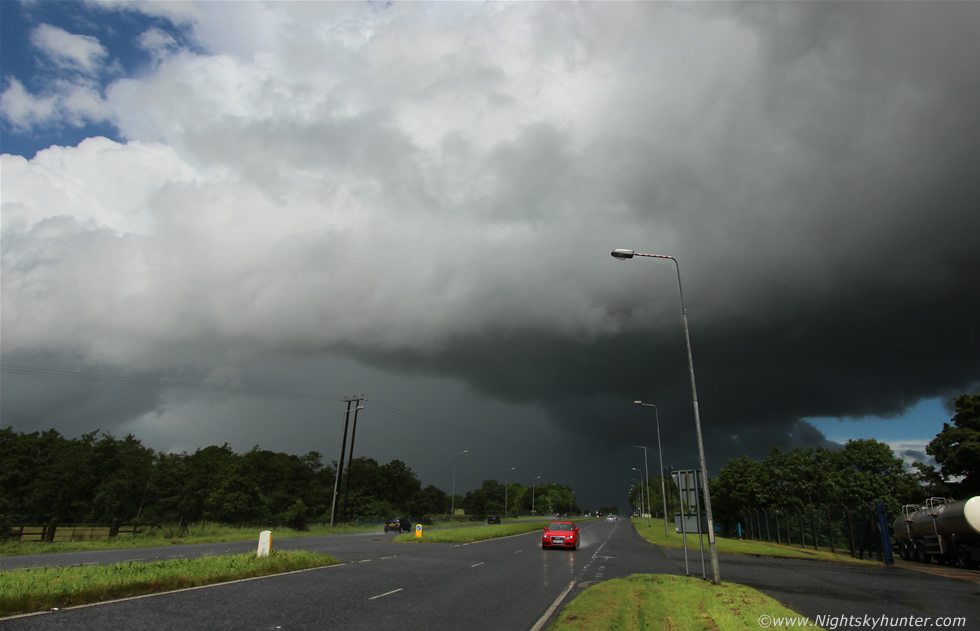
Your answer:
<point x="394" y="591"/>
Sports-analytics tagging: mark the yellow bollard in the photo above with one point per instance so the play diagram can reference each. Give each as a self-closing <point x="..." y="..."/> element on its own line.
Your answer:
<point x="418" y="531"/>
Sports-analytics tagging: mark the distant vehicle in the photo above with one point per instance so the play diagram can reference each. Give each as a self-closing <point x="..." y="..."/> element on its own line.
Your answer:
<point x="398" y="524"/>
<point x="493" y="519"/>
<point x="560" y="534"/>
<point x="611" y="518"/>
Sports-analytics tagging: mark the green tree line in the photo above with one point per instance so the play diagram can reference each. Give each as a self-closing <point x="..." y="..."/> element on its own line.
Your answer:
<point x="492" y="498"/>
<point x="863" y="471"/>
<point x="860" y="472"/>
<point x="97" y="477"/>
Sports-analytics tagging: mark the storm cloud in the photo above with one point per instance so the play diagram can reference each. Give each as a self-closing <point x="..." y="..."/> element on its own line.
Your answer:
<point x="418" y="201"/>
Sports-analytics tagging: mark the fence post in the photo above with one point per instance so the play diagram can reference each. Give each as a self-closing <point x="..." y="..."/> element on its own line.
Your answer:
<point x="768" y="536"/>
<point x="50" y="529"/>
<point x="886" y="541"/>
<point x="875" y="530"/>
<point x="802" y="534"/>
<point x="114" y="527"/>
<point x="813" y="528"/>
<point x="830" y="528"/>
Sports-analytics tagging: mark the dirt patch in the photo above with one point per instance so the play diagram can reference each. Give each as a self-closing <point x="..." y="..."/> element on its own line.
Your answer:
<point x="940" y="570"/>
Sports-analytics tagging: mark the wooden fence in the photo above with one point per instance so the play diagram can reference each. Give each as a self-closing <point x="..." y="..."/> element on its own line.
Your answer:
<point x="53" y="532"/>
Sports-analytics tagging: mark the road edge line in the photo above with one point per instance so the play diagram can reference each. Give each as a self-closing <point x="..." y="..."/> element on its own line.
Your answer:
<point x="543" y="619"/>
<point x="172" y="591"/>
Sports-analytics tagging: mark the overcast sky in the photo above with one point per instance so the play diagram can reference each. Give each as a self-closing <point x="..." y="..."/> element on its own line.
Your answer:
<point x="219" y="219"/>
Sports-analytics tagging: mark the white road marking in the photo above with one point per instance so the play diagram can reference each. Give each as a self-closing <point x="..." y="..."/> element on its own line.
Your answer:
<point x="478" y="564"/>
<point x="176" y="591"/>
<point x="394" y="591"/>
<point x="540" y="623"/>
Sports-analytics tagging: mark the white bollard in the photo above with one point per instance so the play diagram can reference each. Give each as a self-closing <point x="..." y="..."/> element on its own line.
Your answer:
<point x="265" y="543"/>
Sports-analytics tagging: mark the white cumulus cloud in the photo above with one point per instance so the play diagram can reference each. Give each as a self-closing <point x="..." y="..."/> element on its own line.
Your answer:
<point x="80" y="53"/>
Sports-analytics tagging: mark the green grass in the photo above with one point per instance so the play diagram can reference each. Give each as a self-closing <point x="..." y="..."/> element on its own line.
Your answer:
<point x="201" y="532"/>
<point x="47" y="588"/>
<point x="655" y="535"/>
<point x="471" y="534"/>
<point x="651" y="602"/>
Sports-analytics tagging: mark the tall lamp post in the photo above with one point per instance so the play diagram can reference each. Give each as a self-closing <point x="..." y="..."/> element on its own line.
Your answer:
<point x="533" y="486"/>
<point x="641" y="497"/>
<point x="663" y="488"/>
<point x="646" y="483"/>
<point x="505" y="488"/>
<point x="623" y="255"/>
<point x="452" y="512"/>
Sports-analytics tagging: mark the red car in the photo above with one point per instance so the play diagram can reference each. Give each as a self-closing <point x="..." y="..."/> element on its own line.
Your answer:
<point x="560" y="534"/>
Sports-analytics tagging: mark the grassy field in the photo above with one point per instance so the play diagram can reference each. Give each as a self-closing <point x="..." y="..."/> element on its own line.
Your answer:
<point x="471" y="534"/>
<point x="202" y="532"/>
<point x="655" y="602"/>
<point x="47" y="588"/>
<point x="655" y="535"/>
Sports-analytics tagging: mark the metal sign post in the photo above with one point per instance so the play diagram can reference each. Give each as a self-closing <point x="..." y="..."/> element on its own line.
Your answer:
<point x="689" y="483"/>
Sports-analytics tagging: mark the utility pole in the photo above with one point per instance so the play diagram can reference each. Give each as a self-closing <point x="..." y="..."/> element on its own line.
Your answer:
<point x="340" y="466"/>
<point x="350" y="459"/>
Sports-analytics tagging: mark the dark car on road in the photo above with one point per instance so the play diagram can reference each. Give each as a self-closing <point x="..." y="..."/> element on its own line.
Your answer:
<point x="398" y="524"/>
<point x="493" y="519"/>
<point x="560" y="534"/>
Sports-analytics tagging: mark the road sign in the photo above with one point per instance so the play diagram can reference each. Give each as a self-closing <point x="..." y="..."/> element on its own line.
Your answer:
<point x="418" y="531"/>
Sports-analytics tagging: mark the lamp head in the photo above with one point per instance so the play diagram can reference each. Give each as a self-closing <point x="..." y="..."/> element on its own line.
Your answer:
<point x="638" y="402"/>
<point x="622" y="254"/>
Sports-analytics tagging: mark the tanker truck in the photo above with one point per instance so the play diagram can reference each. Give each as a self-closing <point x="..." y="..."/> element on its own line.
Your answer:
<point x="943" y="529"/>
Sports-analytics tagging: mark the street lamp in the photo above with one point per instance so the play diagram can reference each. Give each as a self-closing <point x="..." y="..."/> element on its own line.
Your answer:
<point x="505" y="489"/>
<point x="533" y="486"/>
<point x="641" y="495"/>
<point x="452" y="512"/>
<point x="663" y="488"/>
<point x="622" y="255"/>
<point x="646" y="484"/>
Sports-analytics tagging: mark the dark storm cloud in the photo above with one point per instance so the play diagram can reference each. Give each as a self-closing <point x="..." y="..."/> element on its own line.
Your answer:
<point x="438" y="203"/>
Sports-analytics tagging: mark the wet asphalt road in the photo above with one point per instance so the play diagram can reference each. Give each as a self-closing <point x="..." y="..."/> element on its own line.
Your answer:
<point x="501" y="584"/>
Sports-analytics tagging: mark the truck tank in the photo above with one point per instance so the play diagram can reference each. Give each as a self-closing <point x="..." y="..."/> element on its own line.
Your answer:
<point x="929" y="531"/>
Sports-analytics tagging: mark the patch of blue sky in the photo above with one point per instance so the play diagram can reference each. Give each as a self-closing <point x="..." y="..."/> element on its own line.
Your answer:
<point x="907" y="434"/>
<point x="118" y="36"/>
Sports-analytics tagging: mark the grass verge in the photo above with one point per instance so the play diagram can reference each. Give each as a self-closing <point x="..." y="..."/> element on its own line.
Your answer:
<point x="202" y="532"/>
<point x="24" y="591"/>
<point x="651" y="602"/>
<point x="471" y="534"/>
<point x="655" y="535"/>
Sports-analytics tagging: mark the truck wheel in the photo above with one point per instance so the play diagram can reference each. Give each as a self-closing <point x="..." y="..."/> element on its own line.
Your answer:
<point x="963" y="559"/>
<point x="920" y="553"/>
<point x="905" y="552"/>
